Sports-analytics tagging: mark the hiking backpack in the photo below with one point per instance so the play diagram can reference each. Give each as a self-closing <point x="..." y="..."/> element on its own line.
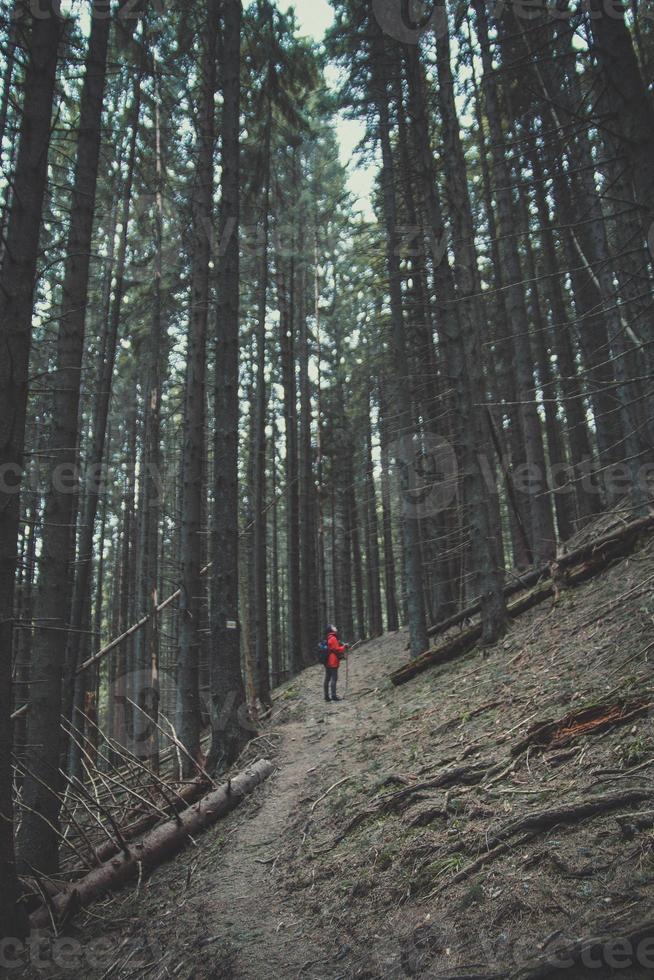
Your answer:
<point x="322" y="652"/>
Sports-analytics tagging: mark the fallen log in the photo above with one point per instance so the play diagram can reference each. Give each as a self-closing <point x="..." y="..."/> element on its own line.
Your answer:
<point x="625" y="535"/>
<point x="626" y="950"/>
<point x="186" y="796"/>
<point x="160" y="845"/>
<point x="466" y="640"/>
<point x="577" y="567"/>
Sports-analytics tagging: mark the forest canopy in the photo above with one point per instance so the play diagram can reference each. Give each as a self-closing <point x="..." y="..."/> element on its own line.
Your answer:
<point x="238" y="404"/>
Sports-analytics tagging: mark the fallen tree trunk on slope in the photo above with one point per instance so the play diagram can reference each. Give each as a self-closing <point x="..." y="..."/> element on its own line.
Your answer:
<point x="466" y="640"/>
<point x="625" y="535"/>
<point x="572" y="570"/>
<point x="185" y="797"/>
<point x="160" y="845"/>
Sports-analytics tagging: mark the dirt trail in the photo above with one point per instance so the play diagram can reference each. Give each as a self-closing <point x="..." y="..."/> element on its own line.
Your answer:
<point x="221" y="911"/>
<point x="273" y="935"/>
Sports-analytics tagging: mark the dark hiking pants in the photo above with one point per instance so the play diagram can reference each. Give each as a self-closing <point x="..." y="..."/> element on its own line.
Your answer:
<point x="331" y="677"/>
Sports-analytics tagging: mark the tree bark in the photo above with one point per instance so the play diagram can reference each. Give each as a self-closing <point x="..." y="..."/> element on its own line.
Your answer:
<point x="17" y="282"/>
<point x="542" y="524"/>
<point x="192" y="548"/>
<point x="74" y="685"/>
<point x="227" y="687"/>
<point x="37" y="841"/>
<point x="634" y="109"/>
<point x="463" y="342"/>
<point x="260" y="542"/>
<point x="404" y="430"/>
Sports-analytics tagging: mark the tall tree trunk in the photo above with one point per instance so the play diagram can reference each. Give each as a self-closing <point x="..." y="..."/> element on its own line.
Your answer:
<point x="146" y="645"/>
<point x="17" y="281"/>
<point x="543" y="535"/>
<point x="462" y="345"/>
<point x="227" y="689"/>
<point x="390" y="581"/>
<point x="38" y="841"/>
<point x="402" y="402"/>
<point x="557" y="456"/>
<point x="634" y="109"/>
<point x="260" y="542"/>
<point x="192" y="550"/>
<point x="566" y="356"/>
<point x="74" y="687"/>
<point x="372" y="535"/>
<point x="275" y="591"/>
<point x="286" y="292"/>
<point x="309" y="601"/>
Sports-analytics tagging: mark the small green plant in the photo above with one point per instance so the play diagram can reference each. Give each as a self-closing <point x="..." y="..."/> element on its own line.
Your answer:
<point x="635" y="750"/>
<point x="290" y="692"/>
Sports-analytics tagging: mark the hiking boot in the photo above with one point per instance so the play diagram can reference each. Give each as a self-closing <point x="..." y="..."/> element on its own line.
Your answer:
<point x="327" y="699"/>
<point x="336" y="698"/>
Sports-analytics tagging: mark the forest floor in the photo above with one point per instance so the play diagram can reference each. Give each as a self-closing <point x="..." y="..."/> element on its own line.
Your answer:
<point x="359" y="857"/>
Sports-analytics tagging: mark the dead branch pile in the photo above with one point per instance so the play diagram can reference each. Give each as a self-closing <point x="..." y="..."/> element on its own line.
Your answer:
<point x="158" y="846"/>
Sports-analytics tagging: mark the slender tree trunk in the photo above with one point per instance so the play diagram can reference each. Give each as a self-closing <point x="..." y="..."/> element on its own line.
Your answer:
<point x="75" y="685"/>
<point x="634" y="115"/>
<point x="372" y="536"/>
<point x="227" y="689"/>
<point x="275" y="591"/>
<point x="390" y="582"/>
<point x="192" y="549"/>
<point x="402" y="403"/>
<point x="285" y="289"/>
<point x="309" y="602"/>
<point x="38" y="841"/>
<point x="543" y="534"/>
<point x="466" y="377"/>
<point x="17" y="280"/>
<point x="146" y="645"/>
<point x="566" y="356"/>
<point x="260" y="542"/>
<point x="557" y="456"/>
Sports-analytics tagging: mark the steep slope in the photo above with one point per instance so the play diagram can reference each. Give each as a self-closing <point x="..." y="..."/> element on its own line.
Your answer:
<point x="480" y="816"/>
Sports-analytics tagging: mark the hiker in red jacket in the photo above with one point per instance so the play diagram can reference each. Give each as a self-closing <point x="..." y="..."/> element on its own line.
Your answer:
<point x="337" y="652"/>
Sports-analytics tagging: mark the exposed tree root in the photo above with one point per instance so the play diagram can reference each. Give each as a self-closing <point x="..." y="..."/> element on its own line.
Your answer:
<point x="392" y="802"/>
<point x="486" y="858"/>
<point x="545" y="819"/>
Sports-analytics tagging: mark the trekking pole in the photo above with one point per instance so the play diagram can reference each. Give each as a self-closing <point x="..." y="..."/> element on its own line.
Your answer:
<point x="347" y="663"/>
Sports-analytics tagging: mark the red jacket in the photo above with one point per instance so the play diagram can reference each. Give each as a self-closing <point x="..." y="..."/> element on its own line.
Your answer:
<point x="335" y="647"/>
